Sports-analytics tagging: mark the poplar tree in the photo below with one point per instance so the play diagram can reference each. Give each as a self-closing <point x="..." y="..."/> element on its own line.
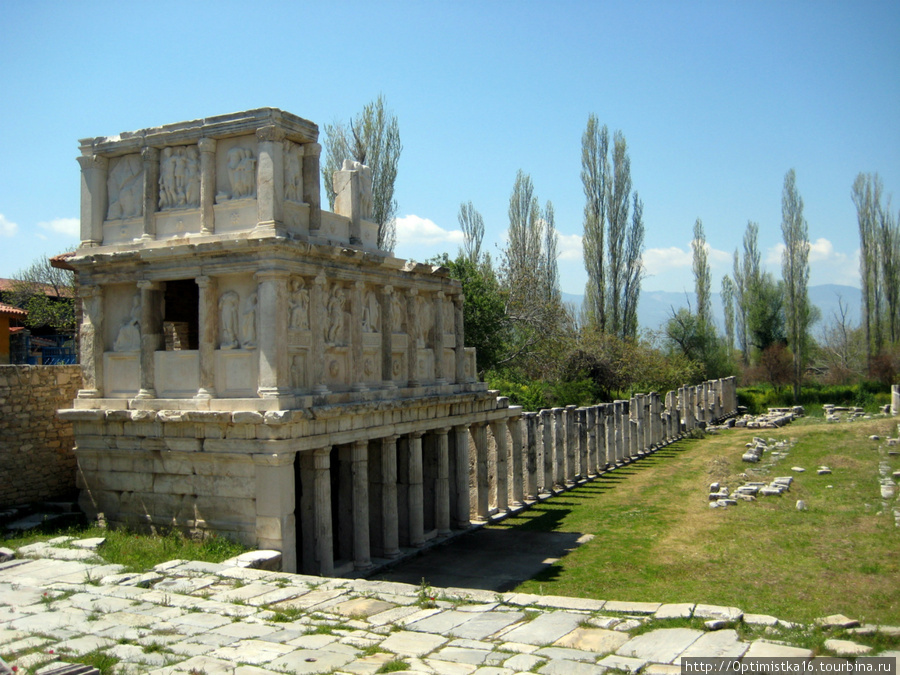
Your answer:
<point x="702" y="277"/>
<point x="728" y="306"/>
<point x="795" y="274"/>
<point x="472" y="225"/>
<point x="594" y="180"/>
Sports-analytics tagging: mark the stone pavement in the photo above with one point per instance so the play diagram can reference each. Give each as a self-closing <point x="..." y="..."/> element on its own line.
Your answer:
<point x="210" y="619"/>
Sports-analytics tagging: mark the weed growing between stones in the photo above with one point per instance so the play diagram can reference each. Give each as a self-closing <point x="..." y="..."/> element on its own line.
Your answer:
<point x="426" y="598"/>
<point x="393" y="666"/>
<point x="98" y="659"/>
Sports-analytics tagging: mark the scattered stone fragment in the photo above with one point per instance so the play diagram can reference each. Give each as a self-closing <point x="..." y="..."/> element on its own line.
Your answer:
<point x="715" y="624"/>
<point x="798" y="469"/>
<point x="874" y="437"/>
<point x="847" y="648"/>
<point x="6" y="554"/>
<point x="801" y="505"/>
<point x="836" y="621"/>
<point x="823" y="471"/>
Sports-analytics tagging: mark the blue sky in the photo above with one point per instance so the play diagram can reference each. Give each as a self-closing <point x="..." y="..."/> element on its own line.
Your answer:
<point x="717" y="101"/>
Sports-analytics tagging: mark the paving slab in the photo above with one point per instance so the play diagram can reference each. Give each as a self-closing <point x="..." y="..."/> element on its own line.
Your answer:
<point x="545" y="629"/>
<point x="441" y="622"/>
<point x="760" y="620"/>
<point x="762" y="648"/>
<point x="442" y="667"/>
<point x="570" y="668"/>
<point x="624" y="663"/>
<point x="632" y="607"/>
<point x="362" y="607"/>
<point x="566" y="654"/>
<point x="660" y="646"/>
<point x="408" y="643"/>
<point x="254" y="652"/>
<point x="729" y="614"/>
<point x="675" y="611"/>
<point x="847" y="648"/>
<point x="481" y="626"/>
<point x="596" y="640"/>
<point x="83" y="645"/>
<point x="725" y="643"/>
<point x="307" y="661"/>
<point x="475" y="657"/>
<point x="523" y="662"/>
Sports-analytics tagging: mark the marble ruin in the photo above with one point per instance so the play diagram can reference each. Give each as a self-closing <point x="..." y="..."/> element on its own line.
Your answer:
<point x="254" y="366"/>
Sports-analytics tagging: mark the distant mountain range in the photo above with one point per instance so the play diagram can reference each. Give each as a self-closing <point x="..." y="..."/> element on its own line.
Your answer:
<point x="656" y="307"/>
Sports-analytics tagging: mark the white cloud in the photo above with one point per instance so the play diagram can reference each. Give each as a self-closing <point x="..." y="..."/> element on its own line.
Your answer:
<point x="7" y="227"/>
<point x="570" y="247"/>
<point x="413" y="230"/>
<point x="658" y="260"/>
<point x="69" y="227"/>
<point x="826" y="265"/>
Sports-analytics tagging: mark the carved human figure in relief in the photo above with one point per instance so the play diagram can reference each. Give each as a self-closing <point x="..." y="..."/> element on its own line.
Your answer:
<point x="293" y="172"/>
<point x="129" y="337"/>
<point x="192" y="182"/>
<point x="125" y="187"/>
<point x="397" y="313"/>
<point x="299" y="319"/>
<point x="179" y="178"/>
<point x="248" y="322"/>
<point x="371" y="314"/>
<point x="241" y="172"/>
<point x="426" y="317"/>
<point x="228" y="320"/>
<point x="334" y="310"/>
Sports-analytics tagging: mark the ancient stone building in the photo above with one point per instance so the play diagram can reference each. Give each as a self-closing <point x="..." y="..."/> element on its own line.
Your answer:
<point x="253" y="365"/>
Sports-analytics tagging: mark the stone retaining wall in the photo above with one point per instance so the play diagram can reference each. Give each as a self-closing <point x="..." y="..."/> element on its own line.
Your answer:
<point x="36" y="458"/>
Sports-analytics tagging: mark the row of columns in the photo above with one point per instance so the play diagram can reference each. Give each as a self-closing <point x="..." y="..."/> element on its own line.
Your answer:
<point x="269" y="186"/>
<point x="274" y="359"/>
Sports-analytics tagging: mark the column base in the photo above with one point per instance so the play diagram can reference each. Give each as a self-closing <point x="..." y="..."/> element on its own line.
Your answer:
<point x="274" y="392"/>
<point x="146" y="393"/>
<point x="205" y="394"/>
<point x="89" y="393"/>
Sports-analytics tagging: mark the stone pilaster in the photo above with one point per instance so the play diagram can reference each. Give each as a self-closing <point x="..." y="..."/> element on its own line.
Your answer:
<point x="322" y="509"/>
<point x="207" y="147"/>
<point x="482" y="486"/>
<point x="531" y="455"/>
<point x="94" y="170"/>
<point x="272" y="333"/>
<point x="501" y="499"/>
<point x="412" y="344"/>
<point x="92" y="345"/>
<point x="317" y="323"/>
<point x="461" y="515"/>
<point x="387" y="338"/>
<point x="359" y="470"/>
<point x="150" y="157"/>
<point x="270" y="178"/>
<point x="208" y="324"/>
<point x="416" y="491"/>
<point x="389" y="513"/>
<point x="439" y="338"/>
<point x="311" y="190"/>
<point x="151" y="335"/>
<point x="515" y="434"/>
<point x="460" y="337"/>
<point x="275" y="504"/>
<point x="442" y="485"/>
<point x="356" y="337"/>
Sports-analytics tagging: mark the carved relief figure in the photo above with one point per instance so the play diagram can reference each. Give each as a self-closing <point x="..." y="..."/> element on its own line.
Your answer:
<point x="371" y="314"/>
<point x="228" y="320"/>
<point x="397" y="313"/>
<point x="297" y="371"/>
<point x="248" y="322"/>
<point x="242" y="172"/>
<point x="179" y="178"/>
<point x="129" y="336"/>
<point x="293" y="172"/>
<point x="125" y="187"/>
<point x="334" y="310"/>
<point x="299" y="305"/>
<point x="426" y="316"/>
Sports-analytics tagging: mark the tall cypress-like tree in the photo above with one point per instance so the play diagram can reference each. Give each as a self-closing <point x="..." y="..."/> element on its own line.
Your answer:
<point x="795" y="274"/>
<point x="747" y="279"/>
<point x="702" y="277"/>
<point x="728" y="306"/>
<point x="594" y="180"/>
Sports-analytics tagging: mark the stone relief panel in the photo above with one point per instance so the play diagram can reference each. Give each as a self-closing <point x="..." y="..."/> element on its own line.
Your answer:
<point x="335" y="320"/>
<point x="128" y="339"/>
<point x="229" y="302"/>
<point x="426" y="319"/>
<point x="398" y="314"/>
<point x="293" y="172"/>
<point x="125" y="187"/>
<point x="179" y="178"/>
<point x="238" y="314"/>
<point x="449" y="315"/>
<point x="298" y="372"/>
<point x="235" y="169"/>
<point x="299" y="305"/>
<point x="371" y="313"/>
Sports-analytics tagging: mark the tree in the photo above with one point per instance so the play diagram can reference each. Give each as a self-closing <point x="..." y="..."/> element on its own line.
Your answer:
<point x="842" y="347"/>
<point x="747" y="276"/>
<point x="472" y="225"/>
<point x="727" y="293"/>
<point x="702" y="278"/>
<point x="765" y="317"/>
<point x="47" y="293"/>
<point x="795" y="273"/>
<point x="612" y="247"/>
<point x="373" y="139"/>
<point x="550" y="267"/>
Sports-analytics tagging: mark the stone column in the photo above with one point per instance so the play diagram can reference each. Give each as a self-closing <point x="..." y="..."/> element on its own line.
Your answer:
<point x="638" y="425"/>
<point x="582" y="426"/>
<point x="387" y="338"/>
<point x="461" y="515"/>
<point x="322" y="508"/>
<point x="356" y="338"/>
<point x="547" y="450"/>
<point x="272" y="331"/>
<point x="389" y="512"/>
<point x="609" y="422"/>
<point x="208" y="324"/>
<point x="412" y="339"/>
<point x="359" y="470"/>
<point x="207" y="147"/>
<point x="311" y="190"/>
<point x="515" y="434"/>
<point x="895" y="399"/>
<point x="442" y="486"/>
<point x="151" y="335"/>
<point x="276" y="525"/>
<point x="439" y="338"/>
<point x="531" y="442"/>
<point x="482" y="487"/>
<point x="91" y="346"/>
<point x="571" y="434"/>
<point x="270" y="178"/>
<point x="317" y="324"/>
<point x="459" y="329"/>
<point x="416" y="491"/>
<point x="498" y="431"/>
<point x="589" y="453"/>
<point x="150" y="157"/>
<point x="621" y="438"/>
<point x="559" y="447"/>
<point x="94" y="170"/>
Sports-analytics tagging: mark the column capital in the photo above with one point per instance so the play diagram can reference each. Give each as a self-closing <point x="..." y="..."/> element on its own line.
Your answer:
<point x="440" y="295"/>
<point x="92" y="291"/>
<point x="88" y="162"/>
<point x="320" y="279"/>
<point x="149" y="153"/>
<point x="416" y="434"/>
<point x="270" y="132"/>
<point x="412" y="291"/>
<point x="312" y="149"/>
<point x="147" y="285"/>
<point x="263" y="275"/>
<point x="206" y="144"/>
<point x="442" y="431"/>
<point x="387" y="289"/>
<point x="203" y="280"/>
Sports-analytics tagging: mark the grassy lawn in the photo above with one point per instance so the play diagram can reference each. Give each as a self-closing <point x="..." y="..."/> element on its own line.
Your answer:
<point x="658" y="540"/>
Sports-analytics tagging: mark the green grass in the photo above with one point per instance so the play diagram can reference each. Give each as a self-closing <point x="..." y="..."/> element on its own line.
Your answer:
<point x="657" y="540"/>
<point x="140" y="552"/>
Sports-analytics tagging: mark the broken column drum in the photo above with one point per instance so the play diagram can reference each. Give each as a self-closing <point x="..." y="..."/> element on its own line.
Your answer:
<point x="254" y="366"/>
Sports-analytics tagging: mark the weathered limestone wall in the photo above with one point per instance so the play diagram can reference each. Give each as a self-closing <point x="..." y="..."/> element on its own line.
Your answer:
<point x="36" y="458"/>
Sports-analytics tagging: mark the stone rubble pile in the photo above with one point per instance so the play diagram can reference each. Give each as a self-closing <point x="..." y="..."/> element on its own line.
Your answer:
<point x="774" y="418"/>
<point x="719" y="495"/>
<point x="836" y="413"/>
